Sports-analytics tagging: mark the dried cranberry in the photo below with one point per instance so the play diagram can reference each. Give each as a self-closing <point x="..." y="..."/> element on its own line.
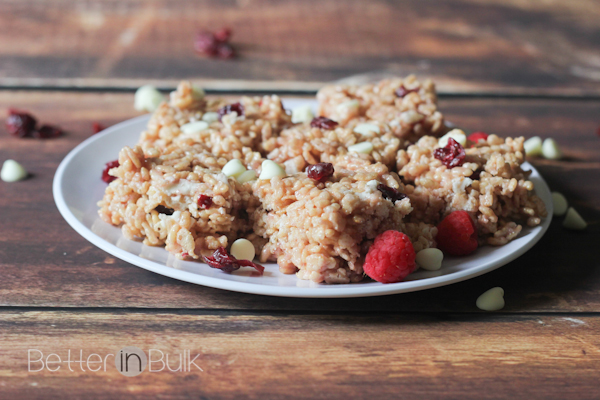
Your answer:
<point x="109" y="165"/>
<point x="164" y="210"/>
<point x="402" y="91"/>
<point x="221" y="259"/>
<point x="229" y="108"/>
<point x="223" y="35"/>
<point x="47" y="132"/>
<point x="97" y="127"/>
<point x="390" y="193"/>
<point x="214" y="44"/>
<point x="204" y="201"/>
<point x="476" y="174"/>
<point x="453" y="155"/>
<point x="323" y="123"/>
<point x="320" y="172"/>
<point x="224" y="50"/>
<point x="20" y="124"/>
<point x="205" y="43"/>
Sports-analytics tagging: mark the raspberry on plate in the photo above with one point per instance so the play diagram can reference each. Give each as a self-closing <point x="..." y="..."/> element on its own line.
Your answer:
<point x="391" y="257"/>
<point x="457" y="235"/>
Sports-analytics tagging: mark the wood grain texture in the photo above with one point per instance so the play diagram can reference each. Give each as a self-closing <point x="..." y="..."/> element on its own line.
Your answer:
<point x="517" y="46"/>
<point x="45" y="263"/>
<point x="306" y="357"/>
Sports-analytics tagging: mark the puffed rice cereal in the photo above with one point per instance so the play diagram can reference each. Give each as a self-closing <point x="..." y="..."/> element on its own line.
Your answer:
<point x="210" y="173"/>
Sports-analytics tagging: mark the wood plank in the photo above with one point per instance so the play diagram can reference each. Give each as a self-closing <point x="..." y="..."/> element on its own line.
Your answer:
<point x="519" y="46"/>
<point x="45" y="263"/>
<point x="328" y="356"/>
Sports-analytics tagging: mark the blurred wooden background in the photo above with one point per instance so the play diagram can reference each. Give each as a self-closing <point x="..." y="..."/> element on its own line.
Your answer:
<point x="475" y="46"/>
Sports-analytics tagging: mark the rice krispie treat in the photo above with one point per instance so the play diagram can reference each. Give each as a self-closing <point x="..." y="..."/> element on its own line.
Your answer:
<point x="314" y="195"/>
<point x="490" y="185"/>
<point x="408" y="106"/>
<point x="179" y="199"/>
<point x="321" y="230"/>
<point x="304" y="144"/>
<point x="225" y="128"/>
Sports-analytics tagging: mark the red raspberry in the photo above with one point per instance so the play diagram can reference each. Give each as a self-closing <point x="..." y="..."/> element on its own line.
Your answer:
<point x="391" y="258"/>
<point x="475" y="137"/>
<point x="457" y="235"/>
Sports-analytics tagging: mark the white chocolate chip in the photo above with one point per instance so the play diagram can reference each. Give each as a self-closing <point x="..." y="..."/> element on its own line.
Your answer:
<point x="533" y="146"/>
<point x="372" y="185"/>
<point x="194" y="127"/>
<point x="234" y="168"/>
<point x="492" y="300"/>
<point x="574" y="221"/>
<point x="411" y="117"/>
<point x="347" y="106"/>
<point x="430" y="259"/>
<point x="460" y="184"/>
<point x="550" y="149"/>
<point x="247" y="176"/>
<point x="302" y="114"/>
<point x="270" y="169"/>
<point x="292" y="167"/>
<point x="364" y="147"/>
<point x="197" y="92"/>
<point x="147" y="98"/>
<point x="12" y="171"/>
<point x="210" y="117"/>
<point x="365" y="129"/>
<point x="559" y="203"/>
<point x="455" y="134"/>
<point x="243" y="249"/>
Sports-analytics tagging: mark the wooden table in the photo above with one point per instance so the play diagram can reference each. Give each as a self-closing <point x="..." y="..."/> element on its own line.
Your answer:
<point x="511" y="67"/>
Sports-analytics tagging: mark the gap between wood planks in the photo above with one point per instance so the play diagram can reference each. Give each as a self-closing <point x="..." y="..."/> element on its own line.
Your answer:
<point x="301" y="92"/>
<point x="461" y="315"/>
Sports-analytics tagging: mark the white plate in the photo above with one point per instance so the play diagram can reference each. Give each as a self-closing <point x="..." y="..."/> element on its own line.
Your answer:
<point x="77" y="188"/>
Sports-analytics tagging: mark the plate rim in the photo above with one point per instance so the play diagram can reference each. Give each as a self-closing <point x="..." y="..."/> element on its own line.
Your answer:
<point x="325" y="291"/>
